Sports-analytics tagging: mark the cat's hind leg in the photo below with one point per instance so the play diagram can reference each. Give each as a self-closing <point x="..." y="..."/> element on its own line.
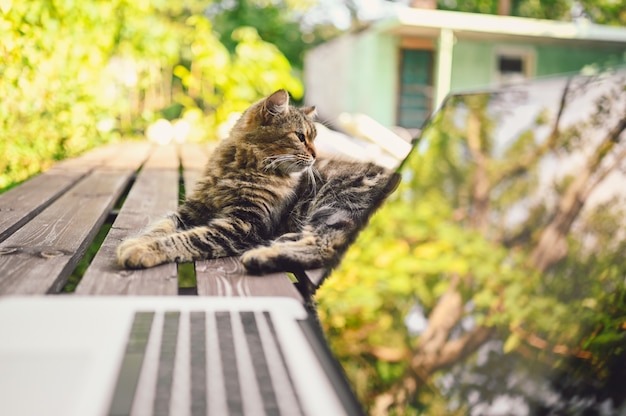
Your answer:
<point x="301" y="254"/>
<point x="168" y="225"/>
<point x="321" y="243"/>
<point x="310" y="250"/>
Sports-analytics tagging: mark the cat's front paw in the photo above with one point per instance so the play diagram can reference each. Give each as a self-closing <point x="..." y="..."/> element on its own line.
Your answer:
<point x="137" y="254"/>
<point x="259" y="260"/>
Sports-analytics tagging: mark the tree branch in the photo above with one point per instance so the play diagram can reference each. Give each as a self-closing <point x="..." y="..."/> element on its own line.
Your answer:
<point x="552" y="245"/>
<point x="605" y="172"/>
<point x="442" y="319"/>
<point x="481" y="186"/>
<point x="460" y="348"/>
<point x="422" y="368"/>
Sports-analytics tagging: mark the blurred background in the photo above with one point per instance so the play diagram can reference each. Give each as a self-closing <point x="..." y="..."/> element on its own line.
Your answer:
<point x="493" y="281"/>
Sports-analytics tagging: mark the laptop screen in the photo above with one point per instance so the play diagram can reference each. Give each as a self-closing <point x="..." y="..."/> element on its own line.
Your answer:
<point x="527" y="184"/>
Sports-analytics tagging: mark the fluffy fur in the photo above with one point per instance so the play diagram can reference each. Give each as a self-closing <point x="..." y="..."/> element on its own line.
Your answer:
<point x="264" y="197"/>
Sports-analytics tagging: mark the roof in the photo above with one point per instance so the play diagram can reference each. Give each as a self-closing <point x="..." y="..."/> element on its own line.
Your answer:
<point x="428" y="23"/>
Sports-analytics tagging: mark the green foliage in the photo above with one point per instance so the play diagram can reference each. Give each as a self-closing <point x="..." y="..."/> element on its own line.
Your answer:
<point x="219" y="83"/>
<point x="49" y="108"/>
<point x="550" y="9"/>
<point x="607" y="12"/>
<point x="277" y="22"/>
<point x="77" y="74"/>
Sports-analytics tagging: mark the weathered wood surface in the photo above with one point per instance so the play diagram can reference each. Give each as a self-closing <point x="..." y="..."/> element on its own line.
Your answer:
<point x="316" y="276"/>
<point x="154" y="194"/>
<point x="47" y="223"/>
<point x="227" y="277"/>
<point x="19" y="205"/>
<point x="40" y="256"/>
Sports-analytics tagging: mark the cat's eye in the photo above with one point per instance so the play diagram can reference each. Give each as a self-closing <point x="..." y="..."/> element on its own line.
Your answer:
<point x="300" y="136"/>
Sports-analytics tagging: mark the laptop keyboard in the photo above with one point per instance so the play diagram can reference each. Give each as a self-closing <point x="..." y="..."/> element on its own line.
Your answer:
<point x="236" y="371"/>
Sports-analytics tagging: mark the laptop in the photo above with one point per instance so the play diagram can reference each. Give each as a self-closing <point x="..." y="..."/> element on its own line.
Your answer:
<point x="66" y="355"/>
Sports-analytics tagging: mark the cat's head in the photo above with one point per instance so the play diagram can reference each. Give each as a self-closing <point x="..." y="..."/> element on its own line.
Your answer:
<point x="280" y="135"/>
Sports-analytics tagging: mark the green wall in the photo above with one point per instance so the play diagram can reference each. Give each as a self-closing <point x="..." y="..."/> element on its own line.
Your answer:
<point x="373" y="87"/>
<point x="551" y="60"/>
<point x="472" y="64"/>
<point x="474" y="61"/>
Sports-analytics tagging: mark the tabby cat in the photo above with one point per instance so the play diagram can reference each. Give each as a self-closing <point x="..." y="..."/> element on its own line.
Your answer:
<point x="264" y="197"/>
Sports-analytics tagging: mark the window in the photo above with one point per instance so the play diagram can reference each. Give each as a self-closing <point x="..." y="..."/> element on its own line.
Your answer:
<point x="513" y="66"/>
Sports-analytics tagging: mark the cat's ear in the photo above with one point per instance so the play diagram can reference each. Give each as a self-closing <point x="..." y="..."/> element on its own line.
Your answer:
<point x="275" y="105"/>
<point x="310" y="112"/>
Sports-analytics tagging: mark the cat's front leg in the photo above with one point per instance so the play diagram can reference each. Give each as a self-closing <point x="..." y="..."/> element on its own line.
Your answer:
<point x="139" y="253"/>
<point x="221" y="238"/>
<point x="147" y="252"/>
<point x="144" y="251"/>
<point x="169" y="225"/>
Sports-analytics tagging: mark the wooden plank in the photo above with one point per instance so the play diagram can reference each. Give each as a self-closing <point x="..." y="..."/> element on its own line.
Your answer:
<point x="227" y="277"/>
<point x="40" y="256"/>
<point x="193" y="158"/>
<point x="154" y="193"/>
<point x="20" y="204"/>
<point x="128" y="155"/>
<point x="90" y="160"/>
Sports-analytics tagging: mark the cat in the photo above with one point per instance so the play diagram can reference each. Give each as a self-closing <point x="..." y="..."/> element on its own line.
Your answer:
<point x="266" y="198"/>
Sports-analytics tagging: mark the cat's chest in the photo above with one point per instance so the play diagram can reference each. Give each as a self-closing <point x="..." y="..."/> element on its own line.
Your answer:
<point x="285" y="194"/>
<point x="272" y="193"/>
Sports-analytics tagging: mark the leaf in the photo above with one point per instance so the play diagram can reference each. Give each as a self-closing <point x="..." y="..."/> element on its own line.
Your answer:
<point x="511" y="343"/>
<point x="432" y="249"/>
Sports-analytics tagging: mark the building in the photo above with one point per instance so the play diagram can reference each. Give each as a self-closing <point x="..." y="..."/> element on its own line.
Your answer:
<point x="402" y="66"/>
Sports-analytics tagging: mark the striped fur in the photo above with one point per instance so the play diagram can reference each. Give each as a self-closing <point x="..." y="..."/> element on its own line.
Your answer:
<point x="326" y="219"/>
<point x="262" y="197"/>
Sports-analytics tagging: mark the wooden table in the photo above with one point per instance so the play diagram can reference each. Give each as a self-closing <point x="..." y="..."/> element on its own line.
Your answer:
<point x="48" y="226"/>
<point x="48" y="223"/>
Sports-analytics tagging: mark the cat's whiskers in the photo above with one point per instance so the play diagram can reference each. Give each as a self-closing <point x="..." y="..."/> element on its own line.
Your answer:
<point x="289" y="163"/>
<point x="316" y="174"/>
<point x="313" y="175"/>
<point x="275" y="162"/>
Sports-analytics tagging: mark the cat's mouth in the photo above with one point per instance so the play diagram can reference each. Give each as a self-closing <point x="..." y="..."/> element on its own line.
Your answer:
<point x="288" y="163"/>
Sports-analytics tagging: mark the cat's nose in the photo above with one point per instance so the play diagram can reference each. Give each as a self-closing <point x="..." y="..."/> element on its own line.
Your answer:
<point x="311" y="150"/>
